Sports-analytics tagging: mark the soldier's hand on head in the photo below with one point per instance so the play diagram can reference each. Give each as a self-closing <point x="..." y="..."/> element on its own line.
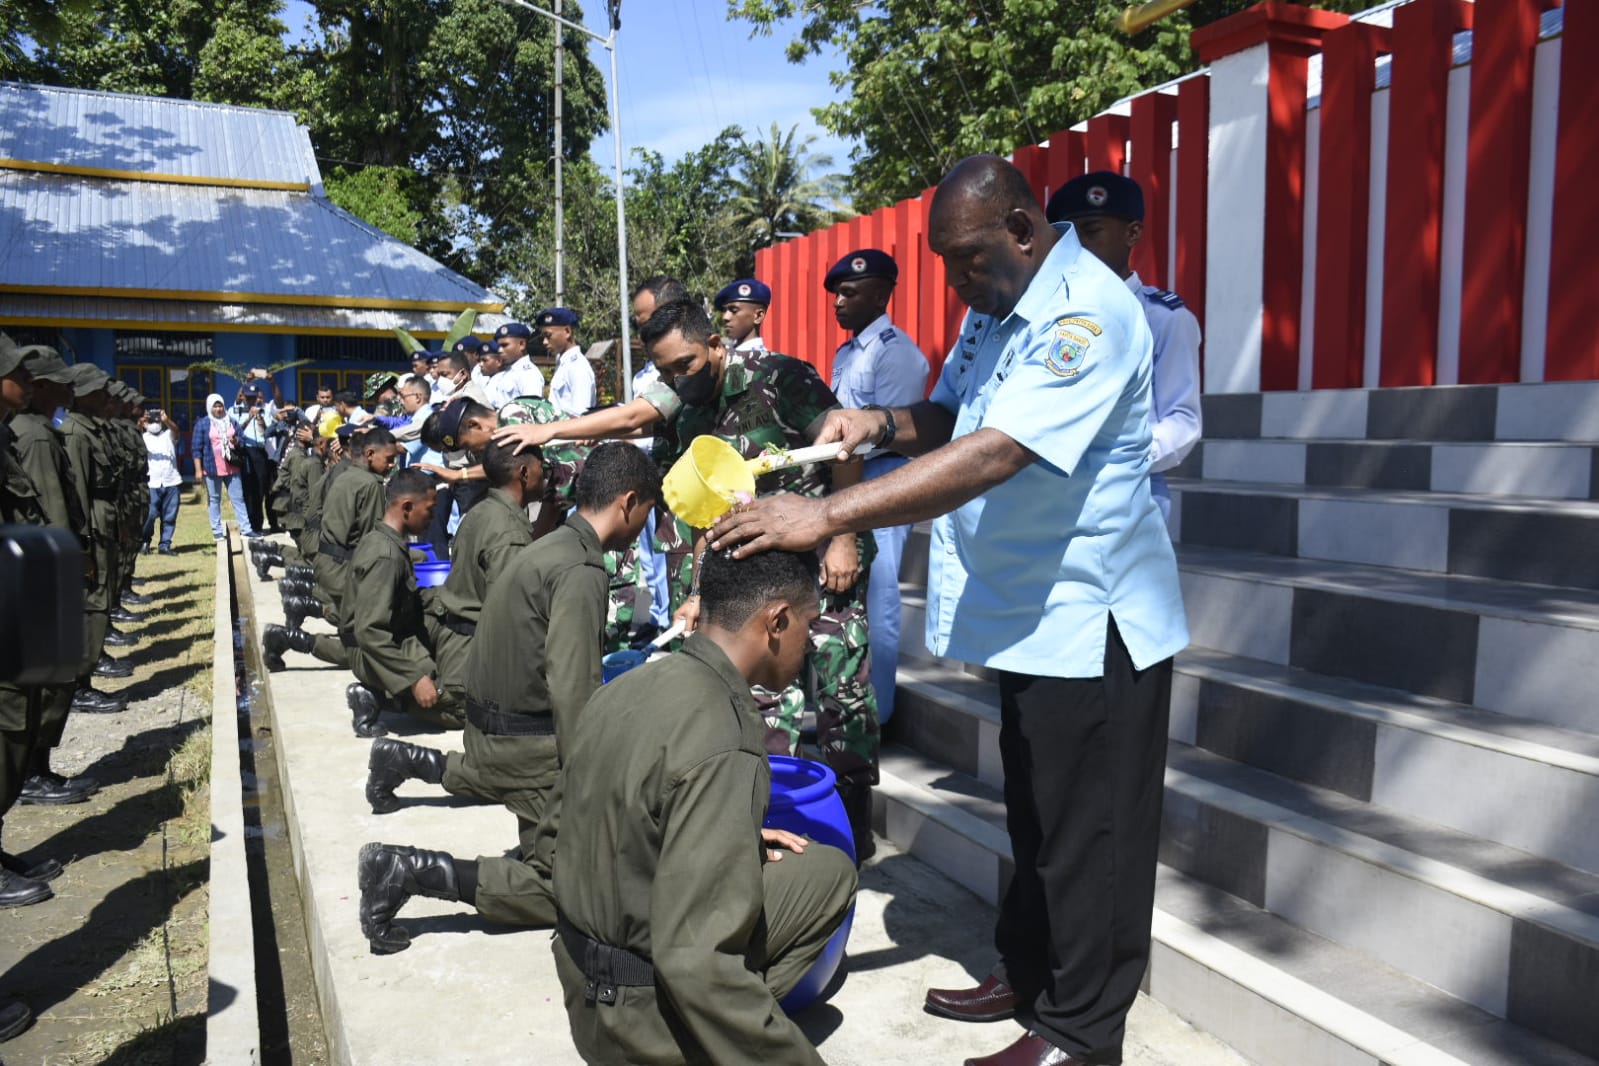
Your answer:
<point x="792" y="523"/>
<point x="841" y="564"/>
<point x="527" y="435"/>
<point x="778" y="841"/>
<point x="850" y="428"/>
<point x="426" y="693"/>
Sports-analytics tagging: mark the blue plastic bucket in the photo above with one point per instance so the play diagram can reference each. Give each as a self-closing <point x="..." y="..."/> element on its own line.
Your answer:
<point x="425" y="548"/>
<point x="430" y="574"/>
<point x="618" y="663"/>
<point x="805" y="801"/>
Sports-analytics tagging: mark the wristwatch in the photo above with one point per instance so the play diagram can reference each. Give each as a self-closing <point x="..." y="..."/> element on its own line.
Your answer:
<point x="889" y="429"/>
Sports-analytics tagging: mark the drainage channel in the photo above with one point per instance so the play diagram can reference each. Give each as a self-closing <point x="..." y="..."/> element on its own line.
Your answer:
<point x="290" y="1019"/>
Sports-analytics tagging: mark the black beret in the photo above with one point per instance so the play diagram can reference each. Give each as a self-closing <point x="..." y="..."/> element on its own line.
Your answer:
<point x="864" y="263"/>
<point x="745" y="290"/>
<point x="1103" y="192"/>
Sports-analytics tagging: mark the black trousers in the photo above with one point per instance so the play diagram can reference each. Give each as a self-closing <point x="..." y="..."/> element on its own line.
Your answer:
<point x="258" y="474"/>
<point x="1084" y="762"/>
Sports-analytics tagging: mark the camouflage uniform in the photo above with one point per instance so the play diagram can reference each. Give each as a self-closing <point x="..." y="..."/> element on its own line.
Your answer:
<point x="629" y="589"/>
<point x="769" y="402"/>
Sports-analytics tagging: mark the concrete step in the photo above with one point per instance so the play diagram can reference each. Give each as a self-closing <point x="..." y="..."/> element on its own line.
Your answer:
<point x="1434" y="532"/>
<point x="1276" y="992"/>
<point x="1538" y="470"/>
<point x="1560" y="411"/>
<point x="1524" y="650"/>
<point x="1411" y="755"/>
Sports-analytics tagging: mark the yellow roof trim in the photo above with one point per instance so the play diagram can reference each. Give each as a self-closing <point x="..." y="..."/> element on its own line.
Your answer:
<point x="209" y="327"/>
<point x="145" y="175"/>
<point x="367" y="303"/>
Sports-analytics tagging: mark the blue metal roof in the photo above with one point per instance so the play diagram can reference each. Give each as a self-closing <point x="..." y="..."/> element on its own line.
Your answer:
<point x="67" y="234"/>
<point x="152" y="135"/>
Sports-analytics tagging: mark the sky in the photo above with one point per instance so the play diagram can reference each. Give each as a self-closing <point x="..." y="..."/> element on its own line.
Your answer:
<point x="686" y="72"/>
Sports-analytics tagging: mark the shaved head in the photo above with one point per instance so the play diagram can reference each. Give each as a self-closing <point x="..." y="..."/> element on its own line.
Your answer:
<point x="990" y="230"/>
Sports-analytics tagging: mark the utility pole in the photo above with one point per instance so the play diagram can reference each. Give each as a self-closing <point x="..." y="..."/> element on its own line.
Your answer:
<point x="560" y="158"/>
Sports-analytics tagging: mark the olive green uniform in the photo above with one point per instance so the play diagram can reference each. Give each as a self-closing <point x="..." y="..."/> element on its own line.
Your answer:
<point x="19" y="706"/>
<point x="535" y="661"/>
<point x="317" y="483"/>
<point x="352" y="507"/>
<point x="289" y="495"/>
<point x="42" y="454"/>
<point x="94" y="483"/>
<point x="386" y="635"/>
<point x="485" y="542"/>
<point x="663" y="793"/>
<point x="133" y="497"/>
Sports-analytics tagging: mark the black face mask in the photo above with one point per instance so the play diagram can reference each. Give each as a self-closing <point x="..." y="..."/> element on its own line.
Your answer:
<point x="697" y="388"/>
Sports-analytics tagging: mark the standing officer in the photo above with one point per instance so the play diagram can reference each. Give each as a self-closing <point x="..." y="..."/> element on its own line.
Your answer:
<point x="255" y="415"/>
<point x="1107" y="211"/>
<point x="519" y="376"/>
<point x="742" y="308"/>
<point x="572" y="387"/>
<point x="878" y="367"/>
<point x="94" y="478"/>
<point x="1050" y="564"/>
<point x="683" y="921"/>
<point x="535" y="662"/>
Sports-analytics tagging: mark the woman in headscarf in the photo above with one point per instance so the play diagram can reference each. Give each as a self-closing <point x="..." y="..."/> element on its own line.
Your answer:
<point x="219" y="460"/>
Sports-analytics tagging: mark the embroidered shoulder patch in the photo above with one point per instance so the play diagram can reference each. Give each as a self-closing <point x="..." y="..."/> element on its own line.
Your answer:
<point x="1068" y="351"/>
<point x="1064" y="324"/>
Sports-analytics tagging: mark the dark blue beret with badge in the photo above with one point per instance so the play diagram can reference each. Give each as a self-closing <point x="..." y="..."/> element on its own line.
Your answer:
<point x="1103" y="192"/>
<point x="514" y="329"/>
<point x="450" y="418"/>
<point x="745" y="290"/>
<point x="865" y="263"/>
<point x="557" y="316"/>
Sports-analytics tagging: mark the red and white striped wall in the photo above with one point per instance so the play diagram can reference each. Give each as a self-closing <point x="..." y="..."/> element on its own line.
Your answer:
<point x="1405" y="198"/>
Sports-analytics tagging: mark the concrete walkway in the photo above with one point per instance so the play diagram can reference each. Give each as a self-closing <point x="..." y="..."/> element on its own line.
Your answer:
<point x="470" y="992"/>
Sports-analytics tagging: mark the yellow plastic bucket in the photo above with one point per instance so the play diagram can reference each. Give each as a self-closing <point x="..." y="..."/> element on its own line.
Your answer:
<point x="703" y="484"/>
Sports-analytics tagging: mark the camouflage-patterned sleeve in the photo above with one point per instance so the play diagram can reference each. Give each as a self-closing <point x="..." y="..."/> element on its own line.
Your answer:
<point x="663" y="398"/>
<point x="802" y="397"/>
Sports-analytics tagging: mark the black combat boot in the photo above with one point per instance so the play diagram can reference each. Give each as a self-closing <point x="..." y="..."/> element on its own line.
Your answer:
<point x="19" y="891"/>
<point x="279" y="639"/>
<point x="15" y="1017"/>
<point x="296" y="609"/>
<point x="857" y="797"/>
<point x="90" y="700"/>
<point x="109" y="667"/>
<point x="294" y="586"/>
<point x="300" y="572"/>
<point x="393" y="761"/>
<point x="388" y="875"/>
<point x="365" y="711"/>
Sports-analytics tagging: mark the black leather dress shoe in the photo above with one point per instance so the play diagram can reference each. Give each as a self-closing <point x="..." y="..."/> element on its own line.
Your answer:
<point x="1030" y="1050"/>
<point x="51" y="791"/>
<point x="991" y="1001"/>
<point x="109" y="667"/>
<point x="15" y="1017"/>
<point x="118" y="639"/>
<point x="167" y="551"/>
<point x="136" y="599"/>
<point x="93" y="701"/>
<point x="48" y="870"/>
<point x="122" y="614"/>
<point x="19" y="891"/>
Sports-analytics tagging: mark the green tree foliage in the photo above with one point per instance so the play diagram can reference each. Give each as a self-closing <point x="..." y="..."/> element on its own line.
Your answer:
<point x="776" y="189"/>
<point x="676" y="218"/>
<point x="384" y="196"/>
<point x="932" y="81"/>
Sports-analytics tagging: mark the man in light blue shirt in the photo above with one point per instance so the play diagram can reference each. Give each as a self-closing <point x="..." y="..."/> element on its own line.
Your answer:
<point x="879" y="366"/>
<point x="1050" y="564"/>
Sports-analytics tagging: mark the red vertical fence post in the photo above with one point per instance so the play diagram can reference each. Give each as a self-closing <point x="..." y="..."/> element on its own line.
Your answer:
<point x="1497" y="147"/>
<point x="1418" y="110"/>
<point x="1107" y="143"/>
<point x="1193" y="174"/>
<point x="1573" y="345"/>
<point x="1065" y="158"/>
<point x="1348" y="79"/>
<point x="1152" y="119"/>
<point x="1032" y="161"/>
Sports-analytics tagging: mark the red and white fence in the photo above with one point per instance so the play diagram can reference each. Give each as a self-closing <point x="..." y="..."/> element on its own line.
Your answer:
<point x="1397" y="199"/>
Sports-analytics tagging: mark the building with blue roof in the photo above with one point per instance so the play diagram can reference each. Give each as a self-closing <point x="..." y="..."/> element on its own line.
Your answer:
<point x="147" y="234"/>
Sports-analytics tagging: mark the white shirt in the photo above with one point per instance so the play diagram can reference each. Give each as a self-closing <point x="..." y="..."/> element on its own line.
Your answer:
<point x="753" y="343"/>
<point x="163" y="458"/>
<point x="879" y="365"/>
<point x="1175" y="412"/>
<point x="519" y="379"/>
<point x="572" y="386"/>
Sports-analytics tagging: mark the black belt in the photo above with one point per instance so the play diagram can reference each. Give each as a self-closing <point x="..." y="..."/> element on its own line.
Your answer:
<point x="103" y="495"/>
<point x="337" y="552"/>
<point x="459" y="625"/>
<point x="490" y="720"/>
<point x="604" y="967"/>
<point x="347" y="638"/>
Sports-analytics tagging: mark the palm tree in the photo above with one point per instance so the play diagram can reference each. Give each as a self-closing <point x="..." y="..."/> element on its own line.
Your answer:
<point x="774" y="191"/>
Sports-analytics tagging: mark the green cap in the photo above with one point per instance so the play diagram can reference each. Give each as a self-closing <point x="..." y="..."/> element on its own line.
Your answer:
<point x="45" y="365"/>
<point x="10" y="356"/>
<point x="87" y="378"/>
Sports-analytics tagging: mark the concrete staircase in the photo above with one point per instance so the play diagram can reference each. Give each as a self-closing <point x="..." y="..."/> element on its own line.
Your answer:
<point x="1381" y="839"/>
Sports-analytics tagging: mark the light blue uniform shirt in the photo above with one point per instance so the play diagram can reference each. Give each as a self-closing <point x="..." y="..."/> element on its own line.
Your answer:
<point x="1022" y="577"/>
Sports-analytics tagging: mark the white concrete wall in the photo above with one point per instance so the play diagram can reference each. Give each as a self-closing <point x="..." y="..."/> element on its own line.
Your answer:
<point x="1236" y="244"/>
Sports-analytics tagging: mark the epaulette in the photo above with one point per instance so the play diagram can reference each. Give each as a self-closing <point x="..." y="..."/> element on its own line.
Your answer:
<point x="887" y="334"/>
<point x="1162" y="296"/>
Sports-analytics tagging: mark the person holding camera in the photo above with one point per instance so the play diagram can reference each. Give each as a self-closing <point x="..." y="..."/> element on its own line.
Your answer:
<point x="161" y="445"/>
<point x="219" y="461"/>
<point x="257" y="417"/>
